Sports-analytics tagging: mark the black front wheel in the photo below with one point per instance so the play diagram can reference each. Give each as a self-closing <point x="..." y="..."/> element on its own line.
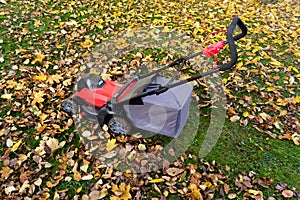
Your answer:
<point x="119" y="125"/>
<point x="69" y="107"/>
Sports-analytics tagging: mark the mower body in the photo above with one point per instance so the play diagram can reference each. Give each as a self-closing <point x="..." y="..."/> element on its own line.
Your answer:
<point x="164" y="113"/>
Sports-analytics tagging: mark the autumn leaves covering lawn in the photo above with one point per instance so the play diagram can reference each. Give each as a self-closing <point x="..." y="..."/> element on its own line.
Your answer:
<point x="42" y="47"/>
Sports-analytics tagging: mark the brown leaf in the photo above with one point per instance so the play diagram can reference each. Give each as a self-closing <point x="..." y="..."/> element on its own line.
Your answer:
<point x="5" y="172"/>
<point x="226" y="188"/>
<point x="287" y="193"/>
<point x="94" y="195"/>
<point x="174" y="171"/>
<point x="77" y="176"/>
<point x="23" y="178"/>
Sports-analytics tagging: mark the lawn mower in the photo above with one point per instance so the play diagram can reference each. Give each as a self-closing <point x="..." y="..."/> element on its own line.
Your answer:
<point x="147" y="102"/>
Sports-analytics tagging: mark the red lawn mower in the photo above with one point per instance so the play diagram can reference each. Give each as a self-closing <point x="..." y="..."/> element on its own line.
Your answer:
<point x="149" y="102"/>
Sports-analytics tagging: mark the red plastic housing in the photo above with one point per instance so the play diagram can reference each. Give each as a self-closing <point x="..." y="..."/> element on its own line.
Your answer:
<point x="99" y="96"/>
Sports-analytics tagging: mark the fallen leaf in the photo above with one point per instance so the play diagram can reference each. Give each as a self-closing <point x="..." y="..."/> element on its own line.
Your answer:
<point x="195" y="194"/>
<point x="232" y="196"/>
<point x="53" y="144"/>
<point x="111" y="144"/>
<point x="142" y="147"/>
<point x="94" y="195"/>
<point x="234" y="118"/>
<point x="9" y="189"/>
<point x="174" y="171"/>
<point x="38" y="182"/>
<point x="296" y="100"/>
<point x="39" y="58"/>
<point x="287" y="193"/>
<point x="6" y="96"/>
<point x="16" y="145"/>
<point x="87" y="177"/>
<point x="5" y="172"/>
<point x="123" y="191"/>
<point x="157" y="180"/>
<point x="87" y="44"/>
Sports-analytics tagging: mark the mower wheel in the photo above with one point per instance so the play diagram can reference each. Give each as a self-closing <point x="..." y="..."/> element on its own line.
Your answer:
<point x="119" y="125"/>
<point x="69" y="107"/>
<point x="83" y="82"/>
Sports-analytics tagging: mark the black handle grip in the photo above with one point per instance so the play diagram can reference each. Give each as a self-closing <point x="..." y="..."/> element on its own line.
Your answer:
<point x="230" y="40"/>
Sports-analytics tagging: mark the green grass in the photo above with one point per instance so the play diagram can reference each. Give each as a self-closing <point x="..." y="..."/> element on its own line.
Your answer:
<point x="245" y="149"/>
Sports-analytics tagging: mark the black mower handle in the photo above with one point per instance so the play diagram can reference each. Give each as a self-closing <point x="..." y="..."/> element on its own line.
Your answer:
<point x="230" y="41"/>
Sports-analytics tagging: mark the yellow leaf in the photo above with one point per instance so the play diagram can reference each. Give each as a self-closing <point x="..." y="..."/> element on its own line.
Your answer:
<point x="240" y="64"/>
<point x="126" y="195"/>
<point x="157" y="180"/>
<point x="37" y="23"/>
<point x="67" y="82"/>
<point x="41" y="77"/>
<point x="87" y="44"/>
<point x="226" y="91"/>
<point x="38" y="97"/>
<point x="254" y="192"/>
<point x="78" y="190"/>
<point x="54" y="78"/>
<point x="49" y="184"/>
<point x="255" y="60"/>
<point x="278" y="41"/>
<point x="295" y="70"/>
<point x="296" y="100"/>
<point x="265" y="116"/>
<point x="45" y="196"/>
<point x="2" y="131"/>
<point x="111" y="144"/>
<point x="296" y="138"/>
<point x="281" y="102"/>
<point x="224" y="81"/>
<point x="39" y="58"/>
<point x="203" y="84"/>
<point x="123" y="191"/>
<point x="270" y="89"/>
<point x="283" y="113"/>
<point x="276" y="124"/>
<point x="296" y="53"/>
<point x="246" y="114"/>
<point x="6" y="96"/>
<point x="195" y="194"/>
<point x="276" y="63"/>
<point x="16" y="145"/>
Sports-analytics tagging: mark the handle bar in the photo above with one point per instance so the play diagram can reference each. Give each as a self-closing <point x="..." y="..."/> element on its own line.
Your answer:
<point x="234" y="56"/>
<point x="230" y="40"/>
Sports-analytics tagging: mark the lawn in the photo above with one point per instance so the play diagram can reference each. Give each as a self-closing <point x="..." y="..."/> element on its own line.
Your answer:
<point x="46" y="154"/>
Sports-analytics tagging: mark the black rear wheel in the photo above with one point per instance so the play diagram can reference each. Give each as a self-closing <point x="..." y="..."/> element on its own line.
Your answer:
<point x="119" y="125"/>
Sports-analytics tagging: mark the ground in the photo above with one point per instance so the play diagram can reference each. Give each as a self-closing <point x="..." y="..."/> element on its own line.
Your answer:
<point x="45" y="45"/>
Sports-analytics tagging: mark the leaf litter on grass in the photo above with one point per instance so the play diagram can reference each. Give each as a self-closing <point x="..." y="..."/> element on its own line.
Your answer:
<point x="43" y="46"/>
